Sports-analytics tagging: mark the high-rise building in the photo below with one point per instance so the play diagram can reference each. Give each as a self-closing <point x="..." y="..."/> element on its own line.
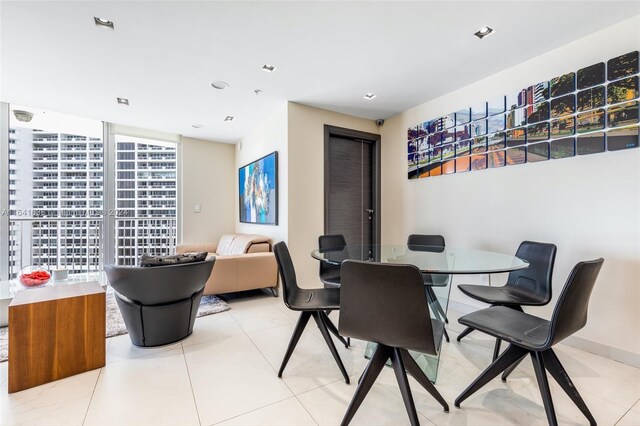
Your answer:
<point x="57" y="200"/>
<point x="146" y="198"/>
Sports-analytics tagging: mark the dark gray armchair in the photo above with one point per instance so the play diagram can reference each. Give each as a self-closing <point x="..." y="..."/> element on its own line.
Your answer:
<point x="159" y="304"/>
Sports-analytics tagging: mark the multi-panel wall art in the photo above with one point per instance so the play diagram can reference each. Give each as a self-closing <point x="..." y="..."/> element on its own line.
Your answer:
<point x="592" y="110"/>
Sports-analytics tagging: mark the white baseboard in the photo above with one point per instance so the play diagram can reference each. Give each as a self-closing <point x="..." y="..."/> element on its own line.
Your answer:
<point x="606" y="351"/>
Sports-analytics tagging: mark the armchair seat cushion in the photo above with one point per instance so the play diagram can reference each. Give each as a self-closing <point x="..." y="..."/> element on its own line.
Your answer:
<point x="510" y="325"/>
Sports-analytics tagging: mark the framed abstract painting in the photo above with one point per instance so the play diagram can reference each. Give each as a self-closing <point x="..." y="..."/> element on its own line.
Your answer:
<point x="258" y="186"/>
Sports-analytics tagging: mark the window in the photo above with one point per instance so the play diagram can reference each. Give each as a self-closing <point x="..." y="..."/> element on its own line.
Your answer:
<point x="152" y="164"/>
<point x="50" y="221"/>
<point x="57" y="198"/>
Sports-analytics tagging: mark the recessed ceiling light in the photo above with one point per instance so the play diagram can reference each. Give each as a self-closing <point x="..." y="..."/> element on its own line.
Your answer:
<point x="197" y="126"/>
<point x="229" y="118"/>
<point x="220" y="85"/>
<point x="123" y="101"/>
<point x="268" y="68"/>
<point x="483" y="32"/>
<point x="370" y="96"/>
<point x="103" y="22"/>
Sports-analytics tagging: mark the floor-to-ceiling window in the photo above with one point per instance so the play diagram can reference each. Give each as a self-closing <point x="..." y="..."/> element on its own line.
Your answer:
<point x="56" y="179"/>
<point x="55" y="190"/>
<point x="146" y="198"/>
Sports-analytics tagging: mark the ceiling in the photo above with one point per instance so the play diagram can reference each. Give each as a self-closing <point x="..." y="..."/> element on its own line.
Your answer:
<point x="163" y="56"/>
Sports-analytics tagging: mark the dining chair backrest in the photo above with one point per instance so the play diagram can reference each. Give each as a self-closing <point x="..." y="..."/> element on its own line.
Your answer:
<point x="536" y="279"/>
<point x="421" y="242"/>
<point x="326" y="244"/>
<point x="570" y="313"/>
<point x="430" y="243"/>
<point x="287" y="273"/>
<point x="331" y="242"/>
<point x="386" y="304"/>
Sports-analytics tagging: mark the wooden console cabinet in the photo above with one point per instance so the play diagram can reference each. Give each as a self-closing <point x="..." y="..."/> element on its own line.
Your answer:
<point x="55" y="332"/>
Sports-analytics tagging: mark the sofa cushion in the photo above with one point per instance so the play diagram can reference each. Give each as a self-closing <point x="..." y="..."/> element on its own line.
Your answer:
<point x="147" y="260"/>
<point x="224" y="245"/>
<point x="238" y="243"/>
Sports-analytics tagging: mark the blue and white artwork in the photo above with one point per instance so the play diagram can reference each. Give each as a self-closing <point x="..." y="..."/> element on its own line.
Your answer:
<point x="258" y="185"/>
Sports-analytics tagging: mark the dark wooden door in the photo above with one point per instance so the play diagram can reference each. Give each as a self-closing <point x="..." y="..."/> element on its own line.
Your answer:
<point x="350" y="192"/>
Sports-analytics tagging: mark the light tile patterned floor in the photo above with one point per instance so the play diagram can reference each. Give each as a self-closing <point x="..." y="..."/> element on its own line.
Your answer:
<point x="225" y="373"/>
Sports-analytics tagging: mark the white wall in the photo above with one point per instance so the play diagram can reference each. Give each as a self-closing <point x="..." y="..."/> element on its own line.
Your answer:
<point x="306" y="182"/>
<point x="208" y="174"/>
<point x="297" y="133"/>
<point x="589" y="206"/>
<point x="269" y="136"/>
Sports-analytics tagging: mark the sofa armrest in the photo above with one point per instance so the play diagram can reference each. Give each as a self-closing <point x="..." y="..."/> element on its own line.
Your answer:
<point x="263" y="247"/>
<point x="188" y="248"/>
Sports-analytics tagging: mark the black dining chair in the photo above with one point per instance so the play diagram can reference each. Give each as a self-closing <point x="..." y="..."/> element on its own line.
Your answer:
<point x="431" y="243"/>
<point x="330" y="274"/>
<point x="525" y="287"/>
<point x="386" y="304"/>
<point x="530" y="335"/>
<point x="334" y="247"/>
<point x="311" y="303"/>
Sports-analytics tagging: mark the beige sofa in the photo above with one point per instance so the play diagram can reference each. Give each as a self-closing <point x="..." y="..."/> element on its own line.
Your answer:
<point x="243" y="262"/>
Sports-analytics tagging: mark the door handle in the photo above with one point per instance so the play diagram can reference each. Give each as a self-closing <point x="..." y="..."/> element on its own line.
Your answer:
<point x="370" y="211"/>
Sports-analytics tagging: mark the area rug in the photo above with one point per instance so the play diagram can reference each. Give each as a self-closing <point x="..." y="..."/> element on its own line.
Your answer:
<point x="115" y="324"/>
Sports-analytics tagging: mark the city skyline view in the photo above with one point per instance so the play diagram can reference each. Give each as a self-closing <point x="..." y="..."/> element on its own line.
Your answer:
<point x="57" y="200"/>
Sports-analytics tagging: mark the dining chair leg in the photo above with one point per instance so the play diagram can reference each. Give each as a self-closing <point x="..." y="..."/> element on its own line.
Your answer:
<point x="319" y="318"/>
<point x="416" y="372"/>
<point x="464" y="333"/>
<point x="436" y="307"/>
<point x="496" y="350"/>
<point x="405" y="389"/>
<point x="508" y="357"/>
<point x="327" y="312"/>
<point x="362" y="375"/>
<point x="506" y="373"/>
<point x="332" y="328"/>
<point x="543" y="384"/>
<point x="371" y="373"/>
<point x="436" y="304"/>
<point x="553" y="366"/>
<point x="295" y="337"/>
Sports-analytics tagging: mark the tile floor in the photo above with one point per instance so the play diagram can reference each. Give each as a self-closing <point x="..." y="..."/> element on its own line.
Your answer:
<point x="225" y="373"/>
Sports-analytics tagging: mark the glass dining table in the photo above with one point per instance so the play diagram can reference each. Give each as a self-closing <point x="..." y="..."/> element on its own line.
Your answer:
<point x="441" y="263"/>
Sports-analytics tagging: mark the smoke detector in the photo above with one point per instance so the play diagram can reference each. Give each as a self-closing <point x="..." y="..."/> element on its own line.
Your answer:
<point x="24" y="116"/>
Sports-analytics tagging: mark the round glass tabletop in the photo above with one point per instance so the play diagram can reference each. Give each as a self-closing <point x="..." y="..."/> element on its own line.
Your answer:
<point x="431" y="259"/>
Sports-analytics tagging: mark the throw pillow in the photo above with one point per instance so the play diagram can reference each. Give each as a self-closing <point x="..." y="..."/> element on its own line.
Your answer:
<point x="174" y="259"/>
